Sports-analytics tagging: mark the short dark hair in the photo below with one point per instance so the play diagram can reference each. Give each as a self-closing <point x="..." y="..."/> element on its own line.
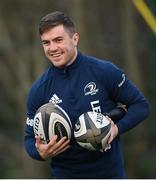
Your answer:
<point x="54" y="19"/>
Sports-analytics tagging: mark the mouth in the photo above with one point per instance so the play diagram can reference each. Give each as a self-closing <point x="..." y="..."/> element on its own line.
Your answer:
<point x="55" y="55"/>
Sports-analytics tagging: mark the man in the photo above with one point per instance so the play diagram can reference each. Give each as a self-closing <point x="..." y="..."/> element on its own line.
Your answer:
<point x="67" y="78"/>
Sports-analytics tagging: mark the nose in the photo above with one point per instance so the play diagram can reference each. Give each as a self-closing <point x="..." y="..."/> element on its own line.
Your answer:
<point x="53" y="46"/>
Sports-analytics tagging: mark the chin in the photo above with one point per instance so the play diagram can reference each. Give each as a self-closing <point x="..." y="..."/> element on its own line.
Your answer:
<point x="59" y="65"/>
<point x="56" y="63"/>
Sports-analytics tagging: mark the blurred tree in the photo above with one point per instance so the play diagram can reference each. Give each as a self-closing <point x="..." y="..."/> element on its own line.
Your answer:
<point x="20" y="65"/>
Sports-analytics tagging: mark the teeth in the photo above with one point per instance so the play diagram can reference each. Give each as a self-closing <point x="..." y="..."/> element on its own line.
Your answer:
<point x="56" y="55"/>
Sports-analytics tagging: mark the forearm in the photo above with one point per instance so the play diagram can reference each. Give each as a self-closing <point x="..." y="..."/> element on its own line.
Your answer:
<point x="29" y="143"/>
<point x="136" y="113"/>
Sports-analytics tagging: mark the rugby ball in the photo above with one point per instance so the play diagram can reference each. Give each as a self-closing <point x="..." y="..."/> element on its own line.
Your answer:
<point x="92" y="131"/>
<point x="51" y="120"/>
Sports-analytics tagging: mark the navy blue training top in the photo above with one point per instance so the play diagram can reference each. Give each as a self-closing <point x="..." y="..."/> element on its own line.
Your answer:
<point x="89" y="84"/>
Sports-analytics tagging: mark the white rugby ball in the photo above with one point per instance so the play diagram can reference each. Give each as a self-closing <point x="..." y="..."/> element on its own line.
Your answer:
<point x="51" y="120"/>
<point x="92" y="131"/>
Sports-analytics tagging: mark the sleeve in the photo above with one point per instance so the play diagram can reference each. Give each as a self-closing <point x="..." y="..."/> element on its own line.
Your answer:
<point x="122" y="90"/>
<point x="33" y="103"/>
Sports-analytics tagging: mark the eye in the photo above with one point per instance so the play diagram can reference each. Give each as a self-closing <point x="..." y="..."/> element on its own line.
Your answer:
<point x="59" y="40"/>
<point x="45" y="42"/>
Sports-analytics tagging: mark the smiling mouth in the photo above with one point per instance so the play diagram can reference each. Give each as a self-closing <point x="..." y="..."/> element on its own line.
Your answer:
<point x="56" y="55"/>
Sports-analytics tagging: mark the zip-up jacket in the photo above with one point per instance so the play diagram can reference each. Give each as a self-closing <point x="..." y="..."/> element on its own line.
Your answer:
<point x="88" y="84"/>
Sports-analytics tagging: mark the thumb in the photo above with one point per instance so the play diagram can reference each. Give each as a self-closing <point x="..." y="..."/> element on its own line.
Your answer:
<point x="114" y="133"/>
<point x="38" y="140"/>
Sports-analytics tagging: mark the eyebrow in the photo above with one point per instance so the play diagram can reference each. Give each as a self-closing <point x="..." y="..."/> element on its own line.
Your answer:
<point x="58" y="37"/>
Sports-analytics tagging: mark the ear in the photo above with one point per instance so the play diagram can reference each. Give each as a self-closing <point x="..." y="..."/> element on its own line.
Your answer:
<point x="75" y="39"/>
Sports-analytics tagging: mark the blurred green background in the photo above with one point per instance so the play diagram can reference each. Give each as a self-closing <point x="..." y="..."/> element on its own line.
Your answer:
<point x="109" y="29"/>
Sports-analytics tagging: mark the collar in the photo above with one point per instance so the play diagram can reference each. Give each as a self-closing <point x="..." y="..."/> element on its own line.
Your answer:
<point x="69" y="68"/>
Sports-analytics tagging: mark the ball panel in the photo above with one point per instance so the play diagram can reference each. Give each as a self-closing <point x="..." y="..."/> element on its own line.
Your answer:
<point x="86" y="145"/>
<point x="94" y="143"/>
<point x="59" y="126"/>
<point x="98" y="119"/>
<point x="38" y="127"/>
<point x="45" y="124"/>
<point x="45" y="121"/>
<point x="58" y="110"/>
<point x="60" y="130"/>
<point x="90" y="124"/>
<point x="64" y="115"/>
<point x="104" y="131"/>
<point x="85" y="137"/>
<point x="105" y="140"/>
<point x="80" y="127"/>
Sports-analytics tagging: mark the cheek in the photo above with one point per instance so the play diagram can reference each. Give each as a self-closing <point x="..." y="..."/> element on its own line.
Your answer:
<point x="44" y="49"/>
<point x="71" y="47"/>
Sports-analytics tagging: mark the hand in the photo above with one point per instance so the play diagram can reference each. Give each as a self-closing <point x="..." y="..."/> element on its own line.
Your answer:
<point x="114" y="132"/>
<point x="53" y="148"/>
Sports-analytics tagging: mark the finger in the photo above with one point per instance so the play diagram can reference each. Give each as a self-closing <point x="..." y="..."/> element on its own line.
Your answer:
<point x="62" y="148"/>
<point x="114" y="133"/>
<point x="38" y="141"/>
<point x="63" y="145"/>
<point x="52" y="141"/>
<point x="59" y="146"/>
<point x="59" y="143"/>
<point x="111" y="137"/>
<point x="62" y="140"/>
<point x="37" y="138"/>
<point x="53" y="144"/>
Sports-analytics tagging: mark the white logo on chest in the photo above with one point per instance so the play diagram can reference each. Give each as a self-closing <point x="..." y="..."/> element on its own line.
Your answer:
<point x="90" y="89"/>
<point x="96" y="106"/>
<point x="55" y="99"/>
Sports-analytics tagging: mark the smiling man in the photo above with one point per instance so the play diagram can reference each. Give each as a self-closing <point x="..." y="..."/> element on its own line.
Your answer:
<point x="78" y="84"/>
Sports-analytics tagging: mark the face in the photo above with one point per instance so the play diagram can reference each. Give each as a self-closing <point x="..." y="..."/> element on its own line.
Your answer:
<point x="59" y="47"/>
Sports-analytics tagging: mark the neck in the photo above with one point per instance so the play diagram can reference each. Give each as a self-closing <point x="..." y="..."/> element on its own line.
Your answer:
<point x="73" y="59"/>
